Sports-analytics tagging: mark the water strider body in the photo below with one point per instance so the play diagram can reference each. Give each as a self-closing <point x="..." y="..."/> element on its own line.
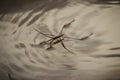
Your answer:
<point x="59" y="38"/>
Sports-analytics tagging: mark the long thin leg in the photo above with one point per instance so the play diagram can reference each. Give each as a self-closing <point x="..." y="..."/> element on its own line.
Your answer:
<point x="50" y="45"/>
<point x="84" y="38"/>
<point x="47" y="35"/>
<point x="65" y="47"/>
<point x="46" y="42"/>
<point x="42" y="43"/>
<point x="65" y="26"/>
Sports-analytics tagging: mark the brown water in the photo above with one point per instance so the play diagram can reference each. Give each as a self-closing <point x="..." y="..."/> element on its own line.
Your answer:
<point x="93" y="58"/>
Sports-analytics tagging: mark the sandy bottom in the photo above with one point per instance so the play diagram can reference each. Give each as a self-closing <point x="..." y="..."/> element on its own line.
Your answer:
<point x="92" y="58"/>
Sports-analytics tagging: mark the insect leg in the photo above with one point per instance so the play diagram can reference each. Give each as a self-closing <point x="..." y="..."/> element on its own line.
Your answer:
<point x="41" y="44"/>
<point x="50" y="45"/>
<point x="84" y="38"/>
<point x="65" y="26"/>
<point x="47" y="35"/>
<point x="65" y="47"/>
<point x="45" y="42"/>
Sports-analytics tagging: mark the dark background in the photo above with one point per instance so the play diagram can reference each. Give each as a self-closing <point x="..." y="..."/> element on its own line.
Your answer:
<point x="8" y="5"/>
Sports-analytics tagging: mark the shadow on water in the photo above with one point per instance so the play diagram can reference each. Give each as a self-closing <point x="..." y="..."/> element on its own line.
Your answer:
<point x="13" y="6"/>
<point x="107" y="2"/>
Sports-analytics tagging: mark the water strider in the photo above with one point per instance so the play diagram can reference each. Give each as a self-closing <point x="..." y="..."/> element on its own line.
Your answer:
<point x="55" y="39"/>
